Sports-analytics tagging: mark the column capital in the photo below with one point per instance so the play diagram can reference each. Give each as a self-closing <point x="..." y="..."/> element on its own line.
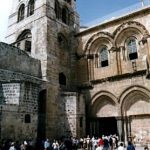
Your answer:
<point x="119" y="118"/>
<point x="145" y="38"/>
<point x="113" y="49"/>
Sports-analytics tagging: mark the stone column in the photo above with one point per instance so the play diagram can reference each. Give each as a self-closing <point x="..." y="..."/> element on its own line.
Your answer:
<point x="97" y="60"/>
<point x="147" y="41"/>
<point x="125" y="130"/>
<point x="119" y="128"/>
<point x="129" y="128"/>
<point x="118" y="59"/>
<point x="90" y="58"/>
<point x="92" y="67"/>
<point x="89" y="69"/>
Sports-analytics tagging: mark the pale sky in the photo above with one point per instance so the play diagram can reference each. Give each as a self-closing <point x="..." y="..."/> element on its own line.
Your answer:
<point x="4" y="13"/>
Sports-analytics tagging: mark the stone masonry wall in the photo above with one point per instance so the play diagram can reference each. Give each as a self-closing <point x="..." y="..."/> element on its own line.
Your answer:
<point x="121" y="88"/>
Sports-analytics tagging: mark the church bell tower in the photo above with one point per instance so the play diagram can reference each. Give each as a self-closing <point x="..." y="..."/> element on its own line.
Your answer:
<point x="39" y="26"/>
<point x="46" y="30"/>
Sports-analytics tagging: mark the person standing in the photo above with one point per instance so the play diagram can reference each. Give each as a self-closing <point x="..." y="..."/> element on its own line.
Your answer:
<point x="12" y="147"/>
<point x="46" y="144"/>
<point x="55" y="145"/>
<point x="130" y="146"/>
<point x="121" y="147"/>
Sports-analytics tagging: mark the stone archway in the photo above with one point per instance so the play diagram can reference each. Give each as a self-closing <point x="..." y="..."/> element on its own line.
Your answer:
<point x="103" y="114"/>
<point x="104" y="106"/>
<point x="135" y="109"/>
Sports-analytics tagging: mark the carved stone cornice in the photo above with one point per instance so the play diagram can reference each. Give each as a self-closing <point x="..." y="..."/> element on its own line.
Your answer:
<point x="112" y="49"/>
<point x="119" y="77"/>
<point x="87" y="85"/>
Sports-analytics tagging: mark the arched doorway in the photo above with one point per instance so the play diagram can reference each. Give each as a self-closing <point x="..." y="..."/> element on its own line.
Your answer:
<point x="103" y="126"/>
<point x="135" y="109"/>
<point x="103" y="113"/>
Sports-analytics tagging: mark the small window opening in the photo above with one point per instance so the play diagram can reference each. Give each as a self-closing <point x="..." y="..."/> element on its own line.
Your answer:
<point x="27" y="118"/>
<point x="21" y="12"/>
<point x="104" y="57"/>
<point x="62" y="79"/>
<point x="28" y="46"/>
<point x="132" y="49"/>
<point x="30" y="8"/>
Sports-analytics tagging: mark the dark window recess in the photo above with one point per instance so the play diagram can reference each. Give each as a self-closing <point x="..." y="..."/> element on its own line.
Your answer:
<point x="57" y="10"/>
<point x="60" y="40"/>
<point x="81" y="122"/>
<point x="104" y="63"/>
<point x="104" y="57"/>
<point x="64" y="16"/>
<point x="27" y="118"/>
<point x="133" y="56"/>
<point x="62" y="79"/>
<point x="28" y="46"/>
<point x="21" y="12"/>
<point x="132" y="49"/>
<point x="18" y="44"/>
<point x="30" y="8"/>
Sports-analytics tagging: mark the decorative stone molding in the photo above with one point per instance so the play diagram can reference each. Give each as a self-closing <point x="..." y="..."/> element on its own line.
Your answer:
<point x="129" y="90"/>
<point x="102" y="93"/>
<point x="130" y="24"/>
<point x="97" y="36"/>
<point x="113" y="38"/>
<point x="119" y="77"/>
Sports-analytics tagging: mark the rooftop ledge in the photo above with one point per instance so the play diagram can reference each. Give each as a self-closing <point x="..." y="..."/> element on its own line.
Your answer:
<point x="132" y="10"/>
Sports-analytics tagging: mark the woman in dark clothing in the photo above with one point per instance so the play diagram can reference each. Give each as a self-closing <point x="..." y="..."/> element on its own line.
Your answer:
<point x="130" y="146"/>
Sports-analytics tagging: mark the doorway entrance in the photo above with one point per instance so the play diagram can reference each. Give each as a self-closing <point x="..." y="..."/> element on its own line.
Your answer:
<point x="41" y="134"/>
<point x="102" y="126"/>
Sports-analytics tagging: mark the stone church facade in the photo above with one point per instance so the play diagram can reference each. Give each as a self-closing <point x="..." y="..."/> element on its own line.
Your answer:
<point x="68" y="82"/>
<point x="116" y="59"/>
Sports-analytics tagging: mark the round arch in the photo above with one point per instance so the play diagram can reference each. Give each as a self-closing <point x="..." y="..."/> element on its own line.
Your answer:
<point x="102" y="102"/>
<point x="23" y="33"/>
<point x="20" y="3"/>
<point x="131" y="96"/>
<point x="104" y="37"/>
<point x="128" y="29"/>
<point x="99" y="94"/>
<point x="24" y="40"/>
<point x="135" y="104"/>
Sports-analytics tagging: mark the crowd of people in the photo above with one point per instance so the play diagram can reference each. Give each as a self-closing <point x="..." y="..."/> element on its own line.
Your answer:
<point x="71" y="143"/>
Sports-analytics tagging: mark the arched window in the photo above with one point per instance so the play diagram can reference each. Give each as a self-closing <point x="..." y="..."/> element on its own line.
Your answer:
<point x="62" y="42"/>
<point x="27" y="118"/>
<point x="30" y="8"/>
<point x="21" y="12"/>
<point x="24" y="40"/>
<point x="65" y="16"/>
<point x="132" y="48"/>
<point x="104" y="57"/>
<point x="57" y="9"/>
